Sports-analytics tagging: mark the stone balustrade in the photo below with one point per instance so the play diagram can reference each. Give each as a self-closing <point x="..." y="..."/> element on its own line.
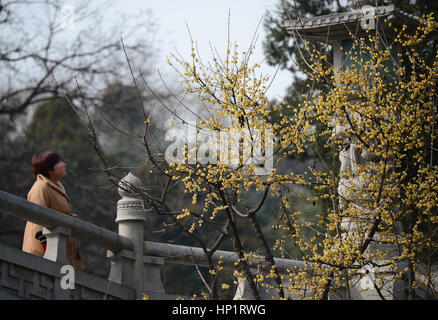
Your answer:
<point x="135" y="263"/>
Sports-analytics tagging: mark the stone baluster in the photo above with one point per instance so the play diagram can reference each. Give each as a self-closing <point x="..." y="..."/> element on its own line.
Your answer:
<point x="153" y="284"/>
<point x="56" y="249"/>
<point x="243" y="290"/>
<point x="267" y="289"/>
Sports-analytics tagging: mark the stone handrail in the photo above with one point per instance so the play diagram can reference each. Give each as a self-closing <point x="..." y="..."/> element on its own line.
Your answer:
<point x="135" y="263"/>
<point x="195" y="256"/>
<point x="51" y="219"/>
<point x="170" y="253"/>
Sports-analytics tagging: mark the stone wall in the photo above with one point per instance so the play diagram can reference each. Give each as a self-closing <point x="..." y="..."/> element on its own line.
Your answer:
<point x="26" y="276"/>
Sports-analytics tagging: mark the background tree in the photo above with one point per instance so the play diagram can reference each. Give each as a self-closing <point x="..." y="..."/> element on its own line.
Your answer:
<point x="45" y="45"/>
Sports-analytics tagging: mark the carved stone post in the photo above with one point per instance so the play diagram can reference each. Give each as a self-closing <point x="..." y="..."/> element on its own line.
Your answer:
<point x="130" y="218"/>
<point x="56" y="251"/>
<point x="56" y="244"/>
<point x="243" y="291"/>
<point x="153" y="285"/>
<point x="121" y="267"/>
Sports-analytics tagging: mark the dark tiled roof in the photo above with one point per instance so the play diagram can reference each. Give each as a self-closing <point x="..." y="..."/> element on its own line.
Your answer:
<point x="337" y="26"/>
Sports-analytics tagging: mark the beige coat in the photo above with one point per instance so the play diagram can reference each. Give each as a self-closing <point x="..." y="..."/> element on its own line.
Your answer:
<point x="48" y="194"/>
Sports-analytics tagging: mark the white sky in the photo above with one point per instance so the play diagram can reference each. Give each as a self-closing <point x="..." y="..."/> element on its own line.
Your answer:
<point x="208" y="23"/>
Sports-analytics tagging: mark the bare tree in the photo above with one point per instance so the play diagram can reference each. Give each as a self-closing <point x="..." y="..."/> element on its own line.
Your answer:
<point x="43" y="40"/>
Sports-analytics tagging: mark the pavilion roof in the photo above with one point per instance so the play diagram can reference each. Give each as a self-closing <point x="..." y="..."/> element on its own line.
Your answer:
<point x="337" y="26"/>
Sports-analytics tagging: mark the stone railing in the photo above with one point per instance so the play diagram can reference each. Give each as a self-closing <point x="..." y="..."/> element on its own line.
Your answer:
<point x="170" y="253"/>
<point x="24" y="275"/>
<point x="135" y="263"/>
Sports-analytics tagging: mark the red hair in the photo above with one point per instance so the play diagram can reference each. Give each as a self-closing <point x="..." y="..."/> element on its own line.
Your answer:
<point x="45" y="162"/>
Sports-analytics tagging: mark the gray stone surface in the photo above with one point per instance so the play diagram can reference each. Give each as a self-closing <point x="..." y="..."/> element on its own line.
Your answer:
<point x="131" y="216"/>
<point x="57" y="244"/>
<point x="26" y="276"/>
<point x="80" y="229"/>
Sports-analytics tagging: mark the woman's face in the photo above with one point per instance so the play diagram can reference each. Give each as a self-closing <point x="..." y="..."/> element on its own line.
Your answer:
<point x="59" y="171"/>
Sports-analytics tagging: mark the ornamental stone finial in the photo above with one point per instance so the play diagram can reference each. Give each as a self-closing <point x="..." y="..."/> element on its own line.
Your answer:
<point x="127" y="183"/>
<point x="357" y="4"/>
<point x="127" y="267"/>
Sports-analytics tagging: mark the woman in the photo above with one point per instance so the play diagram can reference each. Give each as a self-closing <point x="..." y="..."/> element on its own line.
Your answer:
<point x="47" y="191"/>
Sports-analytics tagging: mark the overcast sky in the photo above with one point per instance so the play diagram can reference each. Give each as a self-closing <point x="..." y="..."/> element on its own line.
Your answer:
<point x="208" y="23"/>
